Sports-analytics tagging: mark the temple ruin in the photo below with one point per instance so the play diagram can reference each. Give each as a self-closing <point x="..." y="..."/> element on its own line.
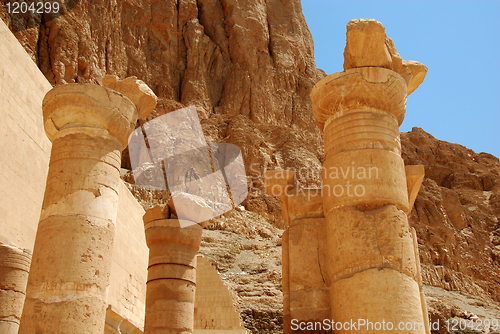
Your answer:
<point x="348" y="251"/>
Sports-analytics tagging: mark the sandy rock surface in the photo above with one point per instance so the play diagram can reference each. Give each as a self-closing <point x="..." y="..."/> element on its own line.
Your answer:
<point x="456" y="215"/>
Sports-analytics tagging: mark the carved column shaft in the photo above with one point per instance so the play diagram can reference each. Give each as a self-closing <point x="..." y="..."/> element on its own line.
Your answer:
<point x="171" y="284"/>
<point x="72" y="254"/>
<point x="69" y="276"/>
<point x="14" y="268"/>
<point x="372" y="270"/>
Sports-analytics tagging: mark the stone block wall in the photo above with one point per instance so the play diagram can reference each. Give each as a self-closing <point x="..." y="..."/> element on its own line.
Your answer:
<point x="24" y="147"/>
<point x="214" y="311"/>
<point x="129" y="270"/>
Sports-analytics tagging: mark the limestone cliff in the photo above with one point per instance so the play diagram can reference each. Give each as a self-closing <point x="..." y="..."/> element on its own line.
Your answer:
<point x="457" y="219"/>
<point x="456" y="215"/>
<point x="248" y="66"/>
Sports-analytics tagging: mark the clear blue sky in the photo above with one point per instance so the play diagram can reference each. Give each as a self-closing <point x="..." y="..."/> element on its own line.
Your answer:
<point x="459" y="41"/>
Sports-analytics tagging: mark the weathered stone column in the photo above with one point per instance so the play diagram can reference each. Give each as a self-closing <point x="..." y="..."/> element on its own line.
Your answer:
<point x="14" y="267"/>
<point x="372" y="268"/>
<point x="306" y="297"/>
<point x="89" y="126"/>
<point x="171" y="284"/>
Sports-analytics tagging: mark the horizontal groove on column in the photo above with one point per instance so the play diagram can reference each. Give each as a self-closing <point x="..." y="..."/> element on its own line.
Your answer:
<point x="363" y="141"/>
<point x="11" y="321"/>
<point x="108" y="154"/>
<point x="85" y="147"/>
<point x="174" y="257"/>
<point x="174" y="271"/>
<point x="350" y="272"/>
<point x="171" y="279"/>
<point x="19" y="263"/>
<point x="363" y="129"/>
<point x="172" y="263"/>
<point x="362" y="116"/>
<point x="55" y="180"/>
<point x="113" y="163"/>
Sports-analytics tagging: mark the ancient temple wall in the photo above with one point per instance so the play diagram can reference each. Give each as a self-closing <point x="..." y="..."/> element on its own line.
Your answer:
<point x="129" y="270"/>
<point x="24" y="147"/>
<point x="214" y="312"/>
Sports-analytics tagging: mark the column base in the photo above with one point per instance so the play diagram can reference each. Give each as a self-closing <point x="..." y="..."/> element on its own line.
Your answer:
<point x="378" y="300"/>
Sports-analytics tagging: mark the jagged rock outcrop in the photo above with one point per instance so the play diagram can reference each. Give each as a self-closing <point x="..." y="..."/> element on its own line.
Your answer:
<point x="456" y="215"/>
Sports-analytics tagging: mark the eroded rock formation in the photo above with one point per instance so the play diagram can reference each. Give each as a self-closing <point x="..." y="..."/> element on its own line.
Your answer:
<point x="456" y="215"/>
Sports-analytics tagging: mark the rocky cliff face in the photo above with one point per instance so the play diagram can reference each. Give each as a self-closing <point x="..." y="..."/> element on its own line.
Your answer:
<point x="456" y="215"/>
<point x="248" y="67"/>
<point x="457" y="219"/>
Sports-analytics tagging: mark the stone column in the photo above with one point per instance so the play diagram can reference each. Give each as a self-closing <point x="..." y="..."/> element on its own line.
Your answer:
<point x="14" y="268"/>
<point x="68" y="281"/>
<point x="372" y="267"/>
<point x="171" y="284"/>
<point x="306" y="296"/>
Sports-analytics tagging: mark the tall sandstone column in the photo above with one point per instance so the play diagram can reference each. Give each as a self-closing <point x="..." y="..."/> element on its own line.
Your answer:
<point x="372" y="271"/>
<point x="89" y="126"/>
<point x="14" y="267"/>
<point x="171" y="284"/>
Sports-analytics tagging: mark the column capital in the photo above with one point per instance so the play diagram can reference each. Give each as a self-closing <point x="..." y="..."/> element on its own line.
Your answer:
<point x="172" y="231"/>
<point x="359" y="88"/>
<point x="375" y="77"/>
<point x="136" y="90"/>
<point x="90" y="106"/>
